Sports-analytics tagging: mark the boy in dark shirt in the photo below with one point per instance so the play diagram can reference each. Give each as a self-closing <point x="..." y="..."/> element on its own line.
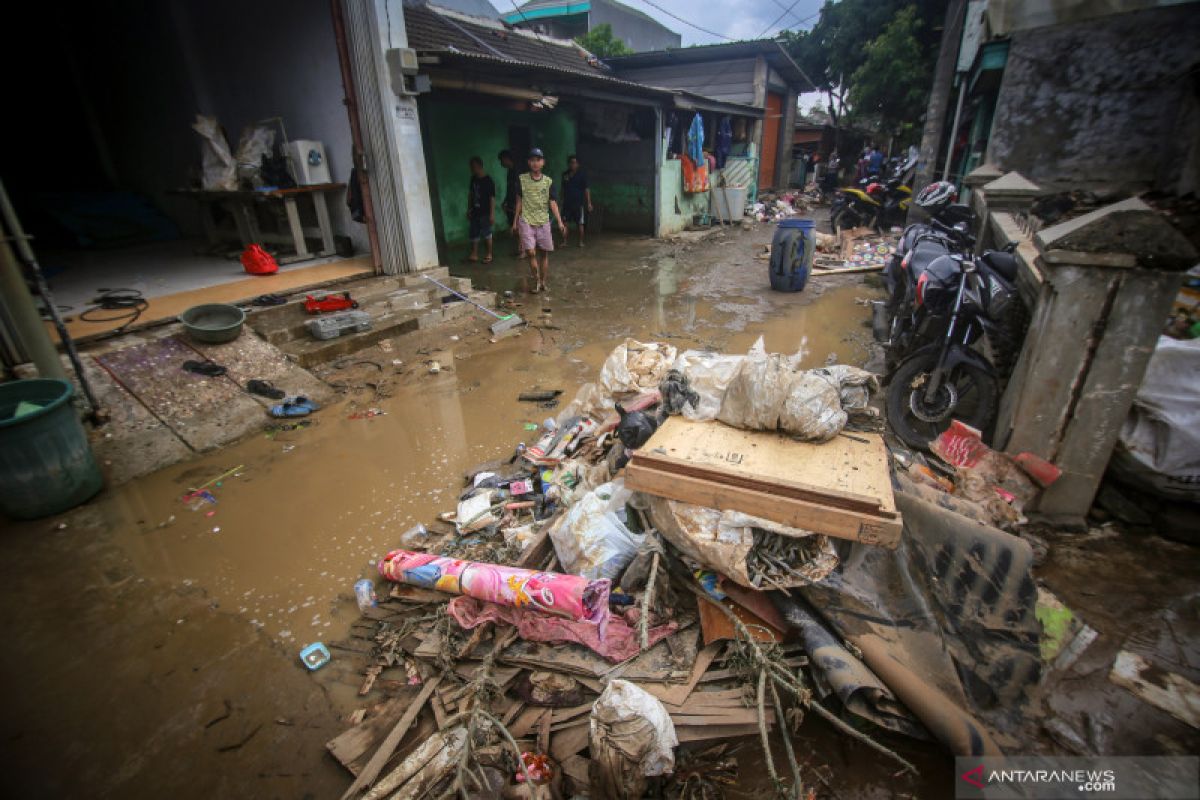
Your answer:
<point x="481" y="209"/>
<point x="577" y="197"/>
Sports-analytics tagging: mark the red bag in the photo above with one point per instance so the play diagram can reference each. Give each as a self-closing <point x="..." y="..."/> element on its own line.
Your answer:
<point x="258" y="261"/>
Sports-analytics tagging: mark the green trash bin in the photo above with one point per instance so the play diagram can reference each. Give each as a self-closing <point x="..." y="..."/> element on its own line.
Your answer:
<point x="46" y="463"/>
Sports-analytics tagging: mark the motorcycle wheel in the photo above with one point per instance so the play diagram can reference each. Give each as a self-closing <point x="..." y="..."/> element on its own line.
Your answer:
<point x="969" y="394"/>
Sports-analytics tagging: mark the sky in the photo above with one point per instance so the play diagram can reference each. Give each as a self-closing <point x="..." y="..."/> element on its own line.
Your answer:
<point x="737" y="19"/>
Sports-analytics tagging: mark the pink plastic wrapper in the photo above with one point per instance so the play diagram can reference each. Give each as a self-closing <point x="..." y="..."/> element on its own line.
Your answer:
<point x="552" y="593"/>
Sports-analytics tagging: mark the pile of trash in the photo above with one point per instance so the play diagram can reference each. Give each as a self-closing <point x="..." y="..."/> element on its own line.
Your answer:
<point x="772" y="208"/>
<point x="699" y="546"/>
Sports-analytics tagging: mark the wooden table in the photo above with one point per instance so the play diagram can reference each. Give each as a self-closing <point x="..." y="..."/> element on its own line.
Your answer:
<point x="240" y="204"/>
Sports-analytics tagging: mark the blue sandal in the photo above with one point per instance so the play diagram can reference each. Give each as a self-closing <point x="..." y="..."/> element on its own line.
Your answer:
<point x="294" y="407"/>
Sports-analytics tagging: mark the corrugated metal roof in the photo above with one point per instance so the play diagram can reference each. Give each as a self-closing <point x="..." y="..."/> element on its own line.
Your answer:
<point x="433" y="30"/>
<point x="776" y="56"/>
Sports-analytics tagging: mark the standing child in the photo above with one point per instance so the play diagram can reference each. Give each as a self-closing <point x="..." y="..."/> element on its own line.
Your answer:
<point x="481" y="209"/>
<point x="536" y="203"/>
<point x="577" y="197"/>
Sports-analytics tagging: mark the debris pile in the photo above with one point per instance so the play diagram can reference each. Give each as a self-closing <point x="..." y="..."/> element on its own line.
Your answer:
<point x="665" y="568"/>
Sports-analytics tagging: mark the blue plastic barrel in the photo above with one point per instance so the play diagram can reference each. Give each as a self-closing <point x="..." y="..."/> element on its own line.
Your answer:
<point x="792" y="254"/>
<point x="46" y="463"/>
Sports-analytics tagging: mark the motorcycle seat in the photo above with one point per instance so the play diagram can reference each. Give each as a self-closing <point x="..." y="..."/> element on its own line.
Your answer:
<point x="1004" y="263"/>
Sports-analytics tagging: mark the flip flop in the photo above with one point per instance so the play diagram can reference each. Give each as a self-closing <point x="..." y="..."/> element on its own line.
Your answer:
<point x="264" y="389"/>
<point x="269" y="300"/>
<point x="294" y="407"/>
<point x="206" y="368"/>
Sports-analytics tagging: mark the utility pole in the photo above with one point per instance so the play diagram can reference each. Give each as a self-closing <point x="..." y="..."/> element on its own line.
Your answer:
<point x="939" y="95"/>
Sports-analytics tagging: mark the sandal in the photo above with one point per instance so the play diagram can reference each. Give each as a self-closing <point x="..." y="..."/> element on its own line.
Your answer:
<point x="269" y="300"/>
<point x="264" y="389"/>
<point x="294" y="407"/>
<point x="206" y="368"/>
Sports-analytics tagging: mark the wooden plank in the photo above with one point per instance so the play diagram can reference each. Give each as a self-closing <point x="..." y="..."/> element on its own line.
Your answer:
<point x="706" y="733"/>
<point x="776" y="486"/>
<point x="841" y="467"/>
<point x="371" y="771"/>
<point x="819" y="271"/>
<point x="576" y="768"/>
<point x="564" y="714"/>
<point x="837" y="522"/>
<point x="571" y="741"/>
<point x="731" y="716"/>
<point x="527" y="721"/>
<point x="715" y="626"/>
<point x="1164" y="690"/>
<point x="676" y="695"/>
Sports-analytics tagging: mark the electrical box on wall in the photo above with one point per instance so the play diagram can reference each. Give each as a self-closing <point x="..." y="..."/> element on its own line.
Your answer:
<point x="308" y="162"/>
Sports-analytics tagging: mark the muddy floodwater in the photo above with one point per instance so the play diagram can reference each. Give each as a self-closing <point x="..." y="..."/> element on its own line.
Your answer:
<point x="152" y="642"/>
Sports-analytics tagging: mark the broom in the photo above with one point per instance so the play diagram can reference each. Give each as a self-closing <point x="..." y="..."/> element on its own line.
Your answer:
<point x="502" y="324"/>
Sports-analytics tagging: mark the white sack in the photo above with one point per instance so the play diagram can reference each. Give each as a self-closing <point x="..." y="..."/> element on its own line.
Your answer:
<point x="591" y="539"/>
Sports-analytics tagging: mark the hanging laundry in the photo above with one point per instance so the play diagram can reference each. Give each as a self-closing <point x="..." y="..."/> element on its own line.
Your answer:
<point x="724" y="142"/>
<point x="695" y="140"/>
<point x="695" y="175"/>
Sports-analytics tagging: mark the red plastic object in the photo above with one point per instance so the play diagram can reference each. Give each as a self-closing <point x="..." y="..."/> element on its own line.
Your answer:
<point x="1042" y="471"/>
<point x="960" y="445"/>
<point x="322" y="304"/>
<point x="257" y="261"/>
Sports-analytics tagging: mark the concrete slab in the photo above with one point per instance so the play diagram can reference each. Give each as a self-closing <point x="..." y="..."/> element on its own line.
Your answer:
<point x="248" y="357"/>
<point x="204" y="412"/>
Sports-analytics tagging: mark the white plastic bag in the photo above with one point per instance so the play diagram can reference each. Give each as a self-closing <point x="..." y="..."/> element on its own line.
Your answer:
<point x="768" y="393"/>
<point x="630" y="726"/>
<point x="218" y="170"/>
<point x="591" y="539"/>
<point x="475" y="513"/>
<point x="708" y="375"/>
<point x="636" y="367"/>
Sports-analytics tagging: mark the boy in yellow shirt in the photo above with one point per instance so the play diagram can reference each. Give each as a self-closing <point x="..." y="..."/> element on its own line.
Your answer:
<point x="536" y="202"/>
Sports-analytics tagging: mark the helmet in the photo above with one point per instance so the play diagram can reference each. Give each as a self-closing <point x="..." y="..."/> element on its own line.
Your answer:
<point x="937" y="195"/>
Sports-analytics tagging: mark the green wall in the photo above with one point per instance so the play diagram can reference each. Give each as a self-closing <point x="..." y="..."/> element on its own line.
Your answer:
<point x="678" y="207"/>
<point x="453" y="131"/>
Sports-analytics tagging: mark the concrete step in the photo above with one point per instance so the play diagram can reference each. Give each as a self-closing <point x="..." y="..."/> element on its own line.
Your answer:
<point x="377" y="296"/>
<point x="385" y="323"/>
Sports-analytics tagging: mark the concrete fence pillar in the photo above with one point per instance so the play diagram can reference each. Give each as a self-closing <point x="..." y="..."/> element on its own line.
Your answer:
<point x="1109" y="279"/>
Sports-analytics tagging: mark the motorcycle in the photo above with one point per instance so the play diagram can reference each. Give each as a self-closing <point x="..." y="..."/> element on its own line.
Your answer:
<point x="958" y="300"/>
<point x="874" y="202"/>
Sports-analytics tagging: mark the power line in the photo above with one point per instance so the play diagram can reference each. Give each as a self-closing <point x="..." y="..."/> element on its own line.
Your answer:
<point x="686" y="22"/>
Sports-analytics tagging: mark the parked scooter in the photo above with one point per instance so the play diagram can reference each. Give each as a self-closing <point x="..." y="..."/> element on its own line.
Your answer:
<point x="876" y="202"/>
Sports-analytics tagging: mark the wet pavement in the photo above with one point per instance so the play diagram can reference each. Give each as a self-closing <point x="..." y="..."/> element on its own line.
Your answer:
<point x="153" y="641"/>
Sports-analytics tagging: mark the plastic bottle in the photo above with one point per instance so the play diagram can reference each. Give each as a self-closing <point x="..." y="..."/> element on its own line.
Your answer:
<point x="415" y="535"/>
<point x="364" y="594"/>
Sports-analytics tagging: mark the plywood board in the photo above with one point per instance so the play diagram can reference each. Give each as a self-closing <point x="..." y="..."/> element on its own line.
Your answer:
<point x="842" y="467"/>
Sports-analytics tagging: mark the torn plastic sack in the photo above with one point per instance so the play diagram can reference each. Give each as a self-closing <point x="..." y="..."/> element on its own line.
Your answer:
<point x="616" y="640"/>
<point x="255" y="143"/>
<point x="476" y="512"/>
<point x="568" y="596"/>
<point x="632" y="737"/>
<point x="635" y="366"/>
<point x="768" y="393"/>
<point x="725" y="542"/>
<point x="218" y="172"/>
<point x="591" y="539"/>
<point x="855" y="387"/>
<point x="1159" y="445"/>
<point x="708" y="375"/>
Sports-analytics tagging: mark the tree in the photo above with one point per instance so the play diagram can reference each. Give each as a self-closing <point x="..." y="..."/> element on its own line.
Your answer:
<point x="599" y="41"/>
<point x="833" y="52"/>
<point x="894" y="78"/>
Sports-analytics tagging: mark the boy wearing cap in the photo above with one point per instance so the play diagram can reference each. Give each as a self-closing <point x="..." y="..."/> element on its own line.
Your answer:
<point x="536" y="202"/>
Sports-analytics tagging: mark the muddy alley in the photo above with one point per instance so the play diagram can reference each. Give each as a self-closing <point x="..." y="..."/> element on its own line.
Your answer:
<point x="155" y="641"/>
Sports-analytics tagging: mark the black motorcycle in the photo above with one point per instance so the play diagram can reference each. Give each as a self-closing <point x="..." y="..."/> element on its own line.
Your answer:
<point x="957" y="301"/>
